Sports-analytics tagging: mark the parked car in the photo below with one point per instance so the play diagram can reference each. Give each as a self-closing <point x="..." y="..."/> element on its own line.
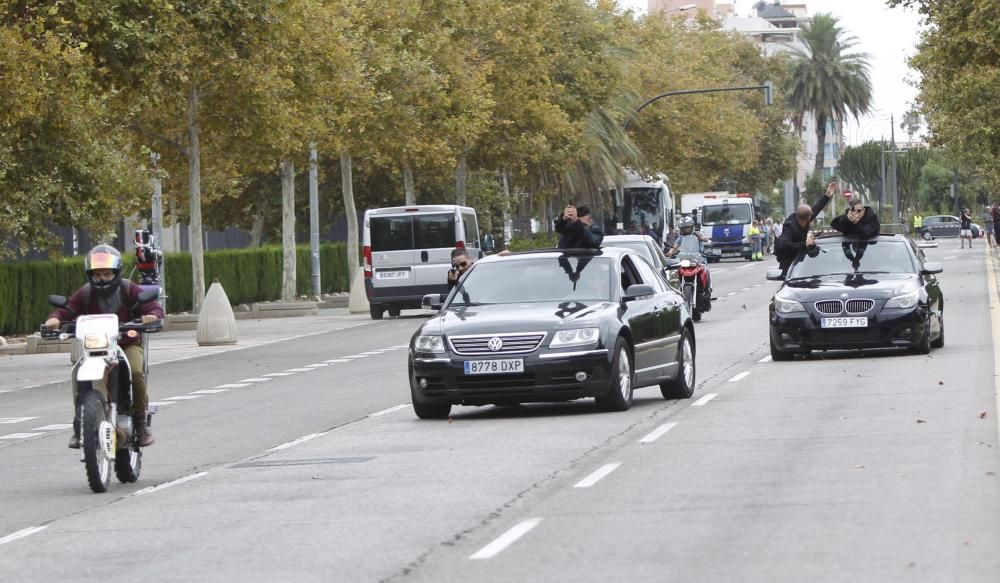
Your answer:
<point x="648" y="248"/>
<point x="407" y="252"/>
<point x="553" y="326"/>
<point x="849" y="293"/>
<point x="937" y="226"/>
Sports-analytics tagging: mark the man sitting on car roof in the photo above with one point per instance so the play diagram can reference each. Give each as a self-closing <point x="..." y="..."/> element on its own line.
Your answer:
<point x="858" y="220"/>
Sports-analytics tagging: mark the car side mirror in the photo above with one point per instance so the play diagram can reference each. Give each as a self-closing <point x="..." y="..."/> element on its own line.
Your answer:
<point x="57" y="301"/>
<point x="637" y="291"/>
<point x="931" y="267"/>
<point x="432" y="301"/>
<point x="775" y="274"/>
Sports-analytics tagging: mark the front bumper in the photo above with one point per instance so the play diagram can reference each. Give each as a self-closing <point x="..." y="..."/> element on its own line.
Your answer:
<point x="889" y="328"/>
<point x="548" y="376"/>
<point x="731" y="250"/>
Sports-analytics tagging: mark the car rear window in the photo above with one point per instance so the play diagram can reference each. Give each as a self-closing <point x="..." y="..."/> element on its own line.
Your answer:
<point x="407" y="232"/>
<point x="434" y="231"/>
<point x="391" y="233"/>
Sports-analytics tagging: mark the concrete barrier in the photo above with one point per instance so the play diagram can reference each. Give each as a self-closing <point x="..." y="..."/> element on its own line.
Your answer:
<point x="216" y="320"/>
<point x="358" y="304"/>
<point x="284" y="309"/>
<point x="35" y="344"/>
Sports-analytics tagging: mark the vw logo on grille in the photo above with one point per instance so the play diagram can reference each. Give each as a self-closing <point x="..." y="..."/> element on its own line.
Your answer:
<point x="495" y="344"/>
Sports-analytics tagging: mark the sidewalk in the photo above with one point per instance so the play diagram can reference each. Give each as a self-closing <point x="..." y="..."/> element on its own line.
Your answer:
<point x="23" y="371"/>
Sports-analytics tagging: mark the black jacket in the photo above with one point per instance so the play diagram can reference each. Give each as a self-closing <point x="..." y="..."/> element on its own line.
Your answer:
<point x="866" y="228"/>
<point x="793" y="236"/>
<point x="576" y="235"/>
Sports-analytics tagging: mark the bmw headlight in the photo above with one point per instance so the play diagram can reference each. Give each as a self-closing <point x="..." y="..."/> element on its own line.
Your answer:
<point x="575" y="337"/>
<point x="429" y="344"/>
<point x="904" y="301"/>
<point x="95" y="341"/>
<point x="783" y="306"/>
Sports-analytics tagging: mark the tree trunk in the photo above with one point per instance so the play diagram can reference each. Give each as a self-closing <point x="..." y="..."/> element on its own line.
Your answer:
<point x="460" y="175"/>
<point x="194" y="188"/>
<point x="347" y="187"/>
<point x="821" y="142"/>
<point x="257" y="231"/>
<point x="288" y="231"/>
<point x="411" y="193"/>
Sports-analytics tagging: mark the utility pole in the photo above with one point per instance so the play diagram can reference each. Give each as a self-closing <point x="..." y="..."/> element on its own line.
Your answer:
<point x="314" y="220"/>
<point x="881" y="194"/>
<point x="157" y="226"/>
<point x="895" y="180"/>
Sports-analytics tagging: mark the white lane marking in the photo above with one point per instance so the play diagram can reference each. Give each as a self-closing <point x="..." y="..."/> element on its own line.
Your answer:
<point x="20" y="435"/>
<point x="389" y="410"/>
<point x="597" y="476"/>
<point x="731" y="294"/>
<point x="183" y="397"/>
<point x="356" y="356"/>
<point x="765" y="359"/>
<point x="21" y="534"/>
<point x="950" y="257"/>
<point x="297" y="441"/>
<point x="337" y="361"/>
<point x="317" y="365"/>
<point x="162" y="403"/>
<point x="257" y="380"/>
<point x="279" y="374"/>
<point x="55" y="427"/>
<point x="745" y="289"/>
<point x="372" y="352"/>
<point x="209" y="391"/>
<point x="298" y="370"/>
<point x="165" y="485"/>
<point x="232" y="386"/>
<point x="757" y="284"/>
<point x="400" y="346"/>
<point x="701" y="402"/>
<point x="744" y="266"/>
<point x="10" y="420"/>
<point x="8" y="390"/>
<point x="995" y="317"/>
<point x="506" y="539"/>
<point x="658" y="433"/>
<point x="739" y="377"/>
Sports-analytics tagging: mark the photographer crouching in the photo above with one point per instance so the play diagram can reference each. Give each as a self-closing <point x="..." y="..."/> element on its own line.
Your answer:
<point x="461" y="261"/>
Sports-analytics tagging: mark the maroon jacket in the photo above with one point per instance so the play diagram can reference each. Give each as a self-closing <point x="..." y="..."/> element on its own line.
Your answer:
<point x="128" y="294"/>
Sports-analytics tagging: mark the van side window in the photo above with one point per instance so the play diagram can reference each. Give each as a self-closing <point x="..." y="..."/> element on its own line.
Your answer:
<point x="391" y="233"/>
<point x="471" y="230"/>
<point x="433" y="231"/>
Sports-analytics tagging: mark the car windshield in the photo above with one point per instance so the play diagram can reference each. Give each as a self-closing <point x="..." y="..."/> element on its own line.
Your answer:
<point x="541" y="279"/>
<point x="719" y="214"/>
<point x="849" y="257"/>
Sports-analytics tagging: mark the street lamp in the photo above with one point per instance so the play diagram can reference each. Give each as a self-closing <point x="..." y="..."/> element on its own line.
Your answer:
<point x="767" y="88"/>
<point x="681" y="8"/>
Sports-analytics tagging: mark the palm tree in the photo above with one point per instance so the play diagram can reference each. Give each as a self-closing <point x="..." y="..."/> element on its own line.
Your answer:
<point x="827" y="79"/>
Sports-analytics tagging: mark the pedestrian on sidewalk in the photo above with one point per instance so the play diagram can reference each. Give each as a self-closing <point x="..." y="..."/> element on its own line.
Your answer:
<point x="989" y="225"/>
<point x="755" y="241"/>
<point x="966" y="228"/>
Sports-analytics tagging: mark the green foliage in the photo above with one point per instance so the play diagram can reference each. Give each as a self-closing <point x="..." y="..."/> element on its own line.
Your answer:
<point x="861" y="167"/>
<point x="536" y="241"/>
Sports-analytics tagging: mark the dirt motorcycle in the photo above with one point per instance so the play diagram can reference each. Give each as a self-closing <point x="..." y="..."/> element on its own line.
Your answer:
<point x="102" y="378"/>
<point x="692" y="271"/>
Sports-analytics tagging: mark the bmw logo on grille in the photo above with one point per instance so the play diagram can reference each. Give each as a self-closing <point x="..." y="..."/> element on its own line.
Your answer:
<point x="495" y="344"/>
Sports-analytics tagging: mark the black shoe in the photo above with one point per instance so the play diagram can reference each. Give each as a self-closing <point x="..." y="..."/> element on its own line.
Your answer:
<point x="74" y="442"/>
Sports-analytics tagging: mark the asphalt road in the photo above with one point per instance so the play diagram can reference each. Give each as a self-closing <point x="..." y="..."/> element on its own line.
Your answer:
<point x="859" y="467"/>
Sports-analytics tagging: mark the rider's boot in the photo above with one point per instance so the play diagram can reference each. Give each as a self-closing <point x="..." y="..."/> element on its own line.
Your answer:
<point x="146" y="438"/>
<point x="74" y="440"/>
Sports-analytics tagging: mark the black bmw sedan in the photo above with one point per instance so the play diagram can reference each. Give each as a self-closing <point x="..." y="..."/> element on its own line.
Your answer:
<point x="849" y="293"/>
<point x="553" y="326"/>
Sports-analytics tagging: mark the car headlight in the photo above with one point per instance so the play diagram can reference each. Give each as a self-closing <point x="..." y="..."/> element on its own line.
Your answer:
<point x="904" y="301"/>
<point x="95" y="341"/>
<point x="431" y="344"/>
<point x="783" y="306"/>
<point x="575" y="337"/>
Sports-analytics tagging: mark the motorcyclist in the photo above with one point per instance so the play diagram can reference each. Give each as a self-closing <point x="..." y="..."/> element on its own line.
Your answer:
<point x="691" y="241"/>
<point x="107" y="293"/>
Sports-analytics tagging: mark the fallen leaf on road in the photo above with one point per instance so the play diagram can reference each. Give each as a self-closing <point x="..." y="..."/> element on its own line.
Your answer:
<point x="982" y="415"/>
<point x="921" y="421"/>
<point x="940" y="382"/>
<point x="744" y="306"/>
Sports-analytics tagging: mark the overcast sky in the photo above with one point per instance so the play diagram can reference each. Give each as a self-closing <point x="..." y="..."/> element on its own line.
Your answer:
<point x="889" y="36"/>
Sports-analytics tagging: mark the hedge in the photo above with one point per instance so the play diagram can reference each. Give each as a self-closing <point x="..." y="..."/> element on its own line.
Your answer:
<point x="247" y="275"/>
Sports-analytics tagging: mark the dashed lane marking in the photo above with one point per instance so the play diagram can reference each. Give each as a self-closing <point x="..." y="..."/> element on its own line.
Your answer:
<point x="389" y="410"/>
<point x="257" y="380"/>
<point x="357" y="356"/>
<point x="372" y="353"/>
<point x="54" y="427"/>
<point x="20" y="435"/>
<point x="657" y="433"/>
<point x="162" y="403"/>
<point x="506" y="539"/>
<point x="183" y="397"/>
<point x="745" y="289"/>
<point x="337" y="361"/>
<point x="166" y="485"/>
<point x="701" y="402"/>
<point x="298" y="441"/>
<point x="298" y="370"/>
<point x="12" y="420"/>
<point x="21" y="534"/>
<point x="209" y="391"/>
<point x="232" y="386"/>
<point x="597" y="476"/>
<point x="317" y="365"/>
<point x="765" y="359"/>
<point x="739" y="377"/>
<point x="731" y="294"/>
<point x="279" y="374"/>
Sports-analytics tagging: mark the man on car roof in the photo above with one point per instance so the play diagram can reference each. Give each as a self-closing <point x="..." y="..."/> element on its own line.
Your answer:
<point x="577" y="230"/>
<point x="795" y="236"/>
<point x="858" y="220"/>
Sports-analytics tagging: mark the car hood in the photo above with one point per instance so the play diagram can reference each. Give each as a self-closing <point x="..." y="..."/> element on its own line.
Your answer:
<point x="507" y="318"/>
<point x="857" y="285"/>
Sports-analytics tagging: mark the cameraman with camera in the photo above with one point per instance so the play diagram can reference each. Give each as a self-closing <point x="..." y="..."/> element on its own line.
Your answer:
<point x="460" y="263"/>
<point x="577" y="230"/>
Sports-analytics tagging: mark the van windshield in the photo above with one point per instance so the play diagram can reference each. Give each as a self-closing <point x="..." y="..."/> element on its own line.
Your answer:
<point x="407" y="232"/>
<point x="725" y="214"/>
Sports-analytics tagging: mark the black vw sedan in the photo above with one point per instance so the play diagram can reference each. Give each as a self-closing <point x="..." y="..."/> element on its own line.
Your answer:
<point x="849" y="293"/>
<point x="553" y="326"/>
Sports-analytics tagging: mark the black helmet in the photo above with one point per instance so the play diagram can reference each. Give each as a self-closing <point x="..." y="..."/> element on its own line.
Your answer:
<point x="103" y="257"/>
<point x="687" y="226"/>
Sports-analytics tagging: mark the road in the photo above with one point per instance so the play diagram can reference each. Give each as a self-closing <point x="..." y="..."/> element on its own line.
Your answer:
<point x="859" y="467"/>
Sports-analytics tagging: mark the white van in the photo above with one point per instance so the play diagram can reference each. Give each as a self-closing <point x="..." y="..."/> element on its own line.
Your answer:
<point x="407" y="252"/>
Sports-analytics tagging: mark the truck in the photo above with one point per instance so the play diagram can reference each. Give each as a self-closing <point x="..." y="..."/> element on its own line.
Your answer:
<point x="725" y="219"/>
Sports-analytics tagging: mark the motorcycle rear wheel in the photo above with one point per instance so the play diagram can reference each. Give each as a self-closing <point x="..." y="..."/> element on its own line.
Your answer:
<point x="97" y="464"/>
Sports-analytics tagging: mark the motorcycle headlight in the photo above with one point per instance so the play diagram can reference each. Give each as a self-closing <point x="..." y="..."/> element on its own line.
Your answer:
<point x="429" y="344"/>
<point x="686" y="263"/>
<point x="575" y="337"/>
<point x="783" y="306"/>
<point x="95" y="341"/>
<point x="904" y="301"/>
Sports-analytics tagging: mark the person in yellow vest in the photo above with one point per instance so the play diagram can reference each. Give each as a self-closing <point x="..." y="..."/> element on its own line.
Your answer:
<point x="755" y="240"/>
<point x="918" y="223"/>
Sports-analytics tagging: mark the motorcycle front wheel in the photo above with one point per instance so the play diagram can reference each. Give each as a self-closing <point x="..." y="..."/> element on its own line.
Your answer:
<point x="689" y="299"/>
<point x="128" y="463"/>
<point x="93" y="414"/>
